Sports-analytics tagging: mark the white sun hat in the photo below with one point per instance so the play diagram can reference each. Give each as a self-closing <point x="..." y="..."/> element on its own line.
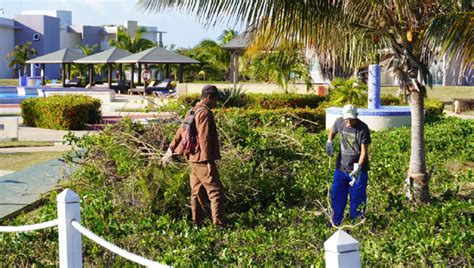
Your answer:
<point x="349" y="112"/>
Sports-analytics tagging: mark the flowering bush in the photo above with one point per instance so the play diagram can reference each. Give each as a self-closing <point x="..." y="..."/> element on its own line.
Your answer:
<point x="68" y="112"/>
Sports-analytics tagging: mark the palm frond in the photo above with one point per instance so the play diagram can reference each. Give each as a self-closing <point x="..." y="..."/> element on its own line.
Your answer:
<point x="453" y="34"/>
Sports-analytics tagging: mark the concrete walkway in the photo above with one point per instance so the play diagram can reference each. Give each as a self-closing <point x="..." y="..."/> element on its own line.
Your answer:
<point x="23" y="189"/>
<point x="56" y="148"/>
<point x="42" y="134"/>
<point x="462" y="116"/>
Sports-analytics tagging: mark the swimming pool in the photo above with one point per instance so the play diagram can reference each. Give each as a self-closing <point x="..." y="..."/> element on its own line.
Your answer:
<point x="9" y="95"/>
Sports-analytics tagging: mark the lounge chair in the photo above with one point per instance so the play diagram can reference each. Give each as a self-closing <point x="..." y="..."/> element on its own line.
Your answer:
<point x="166" y="94"/>
<point x="163" y="90"/>
<point x="151" y="87"/>
<point x="120" y="86"/>
<point x="165" y="85"/>
<point x="75" y="82"/>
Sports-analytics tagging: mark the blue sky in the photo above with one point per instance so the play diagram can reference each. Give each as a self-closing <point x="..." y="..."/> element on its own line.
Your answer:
<point x="182" y="28"/>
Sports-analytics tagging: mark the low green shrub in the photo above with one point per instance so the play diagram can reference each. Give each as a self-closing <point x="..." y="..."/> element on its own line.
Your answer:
<point x="189" y="100"/>
<point x="275" y="178"/>
<point x="391" y="100"/>
<point x="262" y="101"/>
<point x="68" y="112"/>
<point x="347" y="91"/>
<point x="233" y="97"/>
<point x="277" y="101"/>
<point x="312" y="119"/>
<point x="385" y="100"/>
<point x="433" y="108"/>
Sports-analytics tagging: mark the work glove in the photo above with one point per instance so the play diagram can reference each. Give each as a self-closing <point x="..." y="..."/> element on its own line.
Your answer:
<point x="354" y="174"/>
<point x="329" y="148"/>
<point x="167" y="157"/>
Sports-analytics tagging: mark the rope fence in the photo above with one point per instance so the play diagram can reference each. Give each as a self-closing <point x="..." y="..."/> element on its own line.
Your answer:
<point x="70" y="233"/>
<point x="28" y="228"/>
<point x="341" y="249"/>
<point x="127" y="255"/>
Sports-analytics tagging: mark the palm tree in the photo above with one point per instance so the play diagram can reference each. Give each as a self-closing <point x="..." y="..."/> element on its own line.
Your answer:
<point x="227" y="35"/>
<point x="19" y="56"/>
<point x="348" y="91"/>
<point x="282" y="65"/>
<point x="134" y="43"/>
<point x="351" y="33"/>
<point x="81" y="69"/>
<point x="214" y="60"/>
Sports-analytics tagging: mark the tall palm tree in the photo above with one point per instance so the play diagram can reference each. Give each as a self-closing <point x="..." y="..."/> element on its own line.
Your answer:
<point x="81" y="69"/>
<point x="19" y="56"/>
<point x="352" y="32"/>
<point x="134" y="43"/>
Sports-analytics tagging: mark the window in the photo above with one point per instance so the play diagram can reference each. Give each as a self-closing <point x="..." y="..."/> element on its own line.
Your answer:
<point x="36" y="37"/>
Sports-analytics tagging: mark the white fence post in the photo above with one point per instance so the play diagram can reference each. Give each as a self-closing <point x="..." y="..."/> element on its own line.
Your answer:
<point x="342" y="250"/>
<point x="70" y="244"/>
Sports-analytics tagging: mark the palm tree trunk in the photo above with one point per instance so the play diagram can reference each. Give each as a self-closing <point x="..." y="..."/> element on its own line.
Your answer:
<point x="417" y="177"/>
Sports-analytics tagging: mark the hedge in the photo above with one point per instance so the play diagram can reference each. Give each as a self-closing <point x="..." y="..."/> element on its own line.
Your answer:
<point x="66" y="112"/>
<point x="312" y="119"/>
<point x="433" y="107"/>
<point x="390" y="100"/>
<point x="267" y="101"/>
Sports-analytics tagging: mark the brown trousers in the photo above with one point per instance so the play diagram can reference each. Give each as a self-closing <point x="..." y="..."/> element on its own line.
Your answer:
<point x="204" y="182"/>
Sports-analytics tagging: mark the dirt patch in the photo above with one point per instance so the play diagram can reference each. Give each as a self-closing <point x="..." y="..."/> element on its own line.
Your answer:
<point x="457" y="167"/>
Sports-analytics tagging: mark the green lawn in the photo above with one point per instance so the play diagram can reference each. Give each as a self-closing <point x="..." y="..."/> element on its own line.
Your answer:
<point x="17" y="161"/>
<point x="441" y="93"/>
<point x="9" y="82"/>
<point x="13" y="144"/>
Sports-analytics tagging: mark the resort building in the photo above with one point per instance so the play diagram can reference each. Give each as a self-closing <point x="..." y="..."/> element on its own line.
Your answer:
<point x="51" y="30"/>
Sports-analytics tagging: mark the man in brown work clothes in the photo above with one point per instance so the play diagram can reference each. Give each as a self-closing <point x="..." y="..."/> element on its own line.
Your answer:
<point x="203" y="167"/>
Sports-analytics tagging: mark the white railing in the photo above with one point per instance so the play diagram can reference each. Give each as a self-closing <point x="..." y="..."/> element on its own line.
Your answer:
<point x="70" y="234"/>
<point x="28" y="228"/>
<point x="127" y="255"/>
<point x="342" y="250"/>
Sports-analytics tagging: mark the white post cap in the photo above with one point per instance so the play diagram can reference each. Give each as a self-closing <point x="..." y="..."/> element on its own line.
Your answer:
<point x="341" y="242"/>
<point x="68" y="196"/>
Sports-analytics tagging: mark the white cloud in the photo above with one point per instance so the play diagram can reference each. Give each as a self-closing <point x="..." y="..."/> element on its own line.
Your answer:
<point x="96" y="5"/>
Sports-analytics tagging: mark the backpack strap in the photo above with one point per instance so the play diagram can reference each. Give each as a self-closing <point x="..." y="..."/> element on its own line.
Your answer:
<point x="199" y="108"/>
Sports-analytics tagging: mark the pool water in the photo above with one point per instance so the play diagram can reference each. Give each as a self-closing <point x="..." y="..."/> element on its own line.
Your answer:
<point x="9" y="95"/>
<point x="15" y="95"/>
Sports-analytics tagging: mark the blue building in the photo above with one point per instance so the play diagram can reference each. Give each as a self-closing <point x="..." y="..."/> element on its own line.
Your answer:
<point x="49" y="31"/>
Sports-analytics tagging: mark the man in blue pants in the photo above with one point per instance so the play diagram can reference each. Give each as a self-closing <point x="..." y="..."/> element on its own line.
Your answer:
<point x="350" y="176"/>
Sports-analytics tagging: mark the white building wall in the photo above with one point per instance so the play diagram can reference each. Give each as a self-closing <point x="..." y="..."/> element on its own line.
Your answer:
<point x="150" y="36"/>
<point x="131" y="27"/>
<point x="7" y="44"/>
<point x="69" y="39"/>
<point x="315" y="72"/>
<point x="151" y="33"/>
<point x="64" y="16"/>
<point x="104" y="40"/>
